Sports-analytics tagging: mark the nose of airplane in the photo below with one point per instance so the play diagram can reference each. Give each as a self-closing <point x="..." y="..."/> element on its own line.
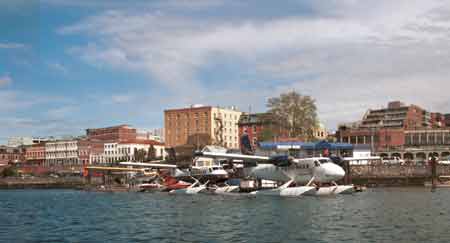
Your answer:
<point x="334" y="171"/>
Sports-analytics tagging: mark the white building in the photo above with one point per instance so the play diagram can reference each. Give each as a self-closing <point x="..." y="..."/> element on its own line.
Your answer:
<point x="63" y="152"/>
<point x="154" y="134"/>
<point x="19" y="141"/>
<point x="229" y="134"/>
<point x="125" y="151"/>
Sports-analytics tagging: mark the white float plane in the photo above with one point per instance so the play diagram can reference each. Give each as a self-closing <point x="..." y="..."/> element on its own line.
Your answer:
<point x="200" y="170"/>
<point x="310" y="171"/>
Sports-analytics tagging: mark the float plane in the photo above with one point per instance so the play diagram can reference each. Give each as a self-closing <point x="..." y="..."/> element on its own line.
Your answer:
<point x="213" y="173"/>
<point x="311" y="172"/>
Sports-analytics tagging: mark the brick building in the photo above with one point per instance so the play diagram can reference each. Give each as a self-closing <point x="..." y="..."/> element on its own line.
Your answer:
<point x="408" y="132"/>
<point x="35" y="154"/>
<point x="84" y="151"/>
<point x="9" y="155"/>
<point x="256" y="125"/>
<point x="384" y="128"/>
<point x="220" y="125"/>
<point x="447" y="120"/>
<point x="263" y="127"/>
<point x="115" y="133"/>
<point x="396" y="115"/>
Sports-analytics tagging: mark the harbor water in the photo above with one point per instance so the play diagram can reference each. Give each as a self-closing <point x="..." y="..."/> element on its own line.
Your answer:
<point x="376" y="215"/>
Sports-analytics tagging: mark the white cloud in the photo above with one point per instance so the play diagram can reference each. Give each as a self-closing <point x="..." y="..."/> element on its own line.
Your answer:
<point x="166" y="4"/>
<point x="58" y="67"/>
<point x="62" y="112"/>
<point x="9" y="45"/>
<point x="349" y="55"/>
<point x="121" y="98"/>
<point x="5" y="80"/>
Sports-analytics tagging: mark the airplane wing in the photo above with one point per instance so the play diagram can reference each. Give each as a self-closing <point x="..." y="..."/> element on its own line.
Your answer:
<point x="278" y="160"/>
<point x="149" y="165"/>
<point x="242" y="157"/>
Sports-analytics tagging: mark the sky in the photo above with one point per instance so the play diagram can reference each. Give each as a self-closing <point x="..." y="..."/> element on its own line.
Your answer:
<point x="70" y="65"/>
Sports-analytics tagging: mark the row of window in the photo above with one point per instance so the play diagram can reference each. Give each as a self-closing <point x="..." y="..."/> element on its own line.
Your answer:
<point x="428" y="139"/>
<point x="9" y="156"/>
<point x="61" y="145"/>
<point x="225" y="116"/>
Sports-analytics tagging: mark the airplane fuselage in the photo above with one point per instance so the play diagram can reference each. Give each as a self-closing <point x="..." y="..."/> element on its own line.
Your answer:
<point x="300" y="171"/>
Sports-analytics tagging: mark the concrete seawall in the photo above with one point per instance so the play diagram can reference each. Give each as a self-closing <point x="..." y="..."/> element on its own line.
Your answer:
<point x="394" y="175"/>
<point x="40" y="183"/>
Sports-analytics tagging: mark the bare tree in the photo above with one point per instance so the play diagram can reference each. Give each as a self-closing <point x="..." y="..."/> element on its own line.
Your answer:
<point x="295" y="113"/>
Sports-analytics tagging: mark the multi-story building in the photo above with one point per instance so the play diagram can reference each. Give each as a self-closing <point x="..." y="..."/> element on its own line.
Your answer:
<point x="35" y="154"/>
<point x="27" y="141"/>
<point x="320" y="132"/>
<point x="84" y="151"/>
<point x="408" y="132"/>
<point x="263" y="127"/>
<point x="219" y="124"/>
<point x="384" y="128"/>
<point x="155" y="134"/>
<point x="9" y="155"/>
<point x="256" y="125"/>
<point x="63" y="153"/>
<point x="126" y="151"/>
<point x="19" y="141"/>
<point x="115" y="133"/>
<point x="447" y="120"/>
<point x="396" y="115"/>
<point x="437" y="120"/>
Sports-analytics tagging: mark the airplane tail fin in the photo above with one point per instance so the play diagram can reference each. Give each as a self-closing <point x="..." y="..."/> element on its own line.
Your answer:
<point x="246" y="146"/>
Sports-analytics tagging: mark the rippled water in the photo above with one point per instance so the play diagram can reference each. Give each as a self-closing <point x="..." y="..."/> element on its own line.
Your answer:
<point x="378" y="215"/>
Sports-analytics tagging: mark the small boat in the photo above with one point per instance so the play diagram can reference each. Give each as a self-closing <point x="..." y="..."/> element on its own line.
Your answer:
<point x="192" y="189"/>
<point x="150" y="187"/>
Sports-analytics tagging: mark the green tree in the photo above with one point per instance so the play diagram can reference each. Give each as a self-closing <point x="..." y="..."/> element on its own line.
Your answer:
<point x="9" y="172"/>
<point x="151" y="155"/>
<point x="140" y="155"/>
<point x="295" y="113"/>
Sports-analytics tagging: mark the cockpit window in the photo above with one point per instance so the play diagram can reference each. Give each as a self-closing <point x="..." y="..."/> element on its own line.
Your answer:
<point x="316" y="163"/>
<point x="322" y="161"/>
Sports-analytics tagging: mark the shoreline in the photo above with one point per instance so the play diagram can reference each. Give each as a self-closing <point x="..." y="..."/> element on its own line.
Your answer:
<point x="79" y="183"/>
<point x="41" y="183"/>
